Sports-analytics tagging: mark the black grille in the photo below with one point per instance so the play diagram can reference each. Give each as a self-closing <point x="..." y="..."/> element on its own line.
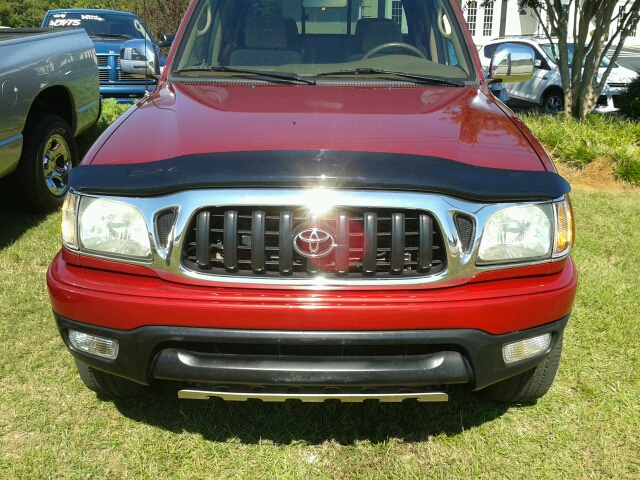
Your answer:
<point x="277" y="242"/>
<point x="466" y="230"/>
<point x="164" y="222"/>
<point x="122" y="76"/>
<point x="602" y="101"/>
<point x="104" y="72"/>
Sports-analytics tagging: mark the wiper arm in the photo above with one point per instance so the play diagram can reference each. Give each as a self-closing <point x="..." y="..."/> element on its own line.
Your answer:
<point x="415" y="77"/>
<point x="112" y="35"/>
<point x="282" y="77"/>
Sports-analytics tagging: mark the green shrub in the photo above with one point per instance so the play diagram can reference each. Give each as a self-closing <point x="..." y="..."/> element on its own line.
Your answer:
<point x="578" y="143"/>
<point x="629" y="169"/>
<point x="630" y="100"/>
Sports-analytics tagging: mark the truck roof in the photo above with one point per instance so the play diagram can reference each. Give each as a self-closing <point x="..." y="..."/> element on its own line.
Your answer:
<point x="90" y="10"/>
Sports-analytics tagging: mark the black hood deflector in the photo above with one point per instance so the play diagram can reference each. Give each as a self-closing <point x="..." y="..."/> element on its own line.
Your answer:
<point x="330" y="169"/>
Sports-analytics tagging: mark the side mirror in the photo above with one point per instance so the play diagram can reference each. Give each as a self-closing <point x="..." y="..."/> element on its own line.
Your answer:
<point x="140" y="57"/>
<point x="166" y="40"/>
<point x="511" y="63"/>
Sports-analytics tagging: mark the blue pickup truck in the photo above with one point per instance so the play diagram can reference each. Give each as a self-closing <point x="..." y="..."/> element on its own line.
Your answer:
<point x="109" y="29"/>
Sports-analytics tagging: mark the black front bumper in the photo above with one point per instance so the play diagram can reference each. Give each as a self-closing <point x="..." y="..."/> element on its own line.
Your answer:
<point x="296" y="358"/>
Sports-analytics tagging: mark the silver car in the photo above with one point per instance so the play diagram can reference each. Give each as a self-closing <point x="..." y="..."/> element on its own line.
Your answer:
<point x="545" y="88"/>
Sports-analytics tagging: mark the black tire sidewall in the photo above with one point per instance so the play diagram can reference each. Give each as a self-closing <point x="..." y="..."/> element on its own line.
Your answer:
<point x="547" y="96"/>
<point x="37" y="133"/>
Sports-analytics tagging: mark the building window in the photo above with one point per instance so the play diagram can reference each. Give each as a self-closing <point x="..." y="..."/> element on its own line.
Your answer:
<point x="472" y="15"/>
<point x="621" y="12"/>
<point x="487" y="27"/>
<point x="620" y="15"/>
<point x="396" y="12"/>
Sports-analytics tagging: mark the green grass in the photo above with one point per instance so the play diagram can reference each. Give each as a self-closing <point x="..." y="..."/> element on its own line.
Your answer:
<point x="587" y="426"/>
<point x="581" y="142"/>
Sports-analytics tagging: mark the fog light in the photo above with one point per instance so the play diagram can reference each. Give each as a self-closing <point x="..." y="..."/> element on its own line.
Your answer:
<point x="523" y="349"/>
<point x="100" y="346"/>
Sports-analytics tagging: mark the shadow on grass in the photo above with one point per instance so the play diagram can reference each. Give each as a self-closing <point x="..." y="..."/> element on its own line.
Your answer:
<point x="14" y="220"/>
<point x="15" y="217"/>
<point x="313" y="423"/>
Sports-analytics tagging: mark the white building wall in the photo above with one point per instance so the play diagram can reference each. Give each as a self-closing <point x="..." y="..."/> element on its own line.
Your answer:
<point x="633" y="39"/>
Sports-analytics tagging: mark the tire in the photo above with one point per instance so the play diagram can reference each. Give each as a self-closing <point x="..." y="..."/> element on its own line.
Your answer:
<point x="48" y="153"/>
<point x="553" y="102"/>
<point x="110" y="385"/>
<point x="527" y="386"/>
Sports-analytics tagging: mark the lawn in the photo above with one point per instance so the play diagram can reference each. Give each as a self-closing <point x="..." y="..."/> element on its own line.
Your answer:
<point x="587" y="426"/>
<point x="580" y="142"/>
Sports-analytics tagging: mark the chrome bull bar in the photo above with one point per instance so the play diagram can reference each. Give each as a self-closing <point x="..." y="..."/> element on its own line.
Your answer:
<point x="314" y="394"/>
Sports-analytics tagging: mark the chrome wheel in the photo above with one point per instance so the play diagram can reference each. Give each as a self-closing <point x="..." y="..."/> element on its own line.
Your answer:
<point x="56" y="161"/>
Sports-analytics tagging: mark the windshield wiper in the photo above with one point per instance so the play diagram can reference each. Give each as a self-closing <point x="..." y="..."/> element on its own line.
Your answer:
<point x="111" y="35"/>
<point x="413" y="77"/>
<point x="279" y="77"/>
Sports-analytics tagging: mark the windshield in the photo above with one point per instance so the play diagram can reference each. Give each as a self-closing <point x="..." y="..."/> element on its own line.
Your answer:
<point x="325" y="39"/>
<point x="97" y="24"/>
<point x="549" y="53"/>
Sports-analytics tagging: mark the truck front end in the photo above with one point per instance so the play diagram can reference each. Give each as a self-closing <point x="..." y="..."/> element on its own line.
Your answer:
<point x="340" y="211"/>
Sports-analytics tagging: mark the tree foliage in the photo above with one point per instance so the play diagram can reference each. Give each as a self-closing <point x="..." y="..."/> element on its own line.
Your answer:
<point x="630" y="102"/>
<point x="586" y="23"/>
<point x="161" y="16"/>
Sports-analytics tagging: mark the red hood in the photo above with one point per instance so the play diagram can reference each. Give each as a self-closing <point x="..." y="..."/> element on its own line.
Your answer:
<point x="460" y="124"/>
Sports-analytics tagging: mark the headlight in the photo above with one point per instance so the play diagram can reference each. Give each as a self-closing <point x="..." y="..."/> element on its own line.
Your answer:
<point x="517" y="234"/>
<point x="105" y="227"/>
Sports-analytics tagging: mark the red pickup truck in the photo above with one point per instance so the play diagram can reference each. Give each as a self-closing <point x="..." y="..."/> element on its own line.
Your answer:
<point x="321" y="200"/>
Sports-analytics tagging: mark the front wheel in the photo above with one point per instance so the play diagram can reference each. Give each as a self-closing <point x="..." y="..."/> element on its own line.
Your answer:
<point x="527" y="386"/>
<point x="553" y="102"/>
<point x="48" y="153"/>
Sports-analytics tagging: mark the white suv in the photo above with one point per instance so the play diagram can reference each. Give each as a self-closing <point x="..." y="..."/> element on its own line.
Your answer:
<point x="545" y="88"/>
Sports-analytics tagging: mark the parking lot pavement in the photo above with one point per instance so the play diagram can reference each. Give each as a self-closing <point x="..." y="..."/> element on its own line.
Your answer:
<point x="629" y="57"/>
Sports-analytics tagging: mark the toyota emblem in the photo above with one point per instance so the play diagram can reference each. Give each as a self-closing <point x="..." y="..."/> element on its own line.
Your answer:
<point x="313" y="242"/>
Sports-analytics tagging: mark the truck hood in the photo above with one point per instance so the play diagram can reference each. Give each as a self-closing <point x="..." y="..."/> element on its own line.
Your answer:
<point x="108" y="46"/>
<point x="618" y="75"/>
<point x="453" y="123"/>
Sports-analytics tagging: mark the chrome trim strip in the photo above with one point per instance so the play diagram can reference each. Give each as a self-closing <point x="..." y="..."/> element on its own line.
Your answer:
<point x="316" y="396"/>
<point x="87" y="107"/>
<point x="460" y="265"/>
<point x="7" y="141"/>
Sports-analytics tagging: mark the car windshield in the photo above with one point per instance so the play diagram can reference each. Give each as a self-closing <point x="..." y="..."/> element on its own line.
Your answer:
<point x="102" y="24"/>
<point x="282" y="40"/>
<point x="549" y="52"/>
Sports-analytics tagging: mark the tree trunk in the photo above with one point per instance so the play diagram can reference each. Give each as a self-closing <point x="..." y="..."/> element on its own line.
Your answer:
<point x="591" y="34"/>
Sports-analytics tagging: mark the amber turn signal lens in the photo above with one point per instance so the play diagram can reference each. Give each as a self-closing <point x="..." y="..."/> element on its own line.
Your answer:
<point x="564" y="228"/>
<point x="69" y="211"/>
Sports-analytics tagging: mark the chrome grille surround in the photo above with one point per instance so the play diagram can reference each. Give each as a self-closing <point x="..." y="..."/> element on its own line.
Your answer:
<point x="460" y="262"/>
<point x="110" y="62"/>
